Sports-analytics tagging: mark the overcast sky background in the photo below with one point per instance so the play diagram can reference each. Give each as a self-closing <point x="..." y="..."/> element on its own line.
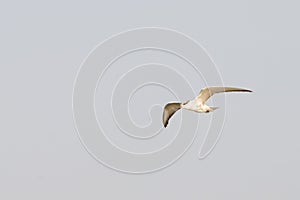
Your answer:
<point x="255" y="44"/>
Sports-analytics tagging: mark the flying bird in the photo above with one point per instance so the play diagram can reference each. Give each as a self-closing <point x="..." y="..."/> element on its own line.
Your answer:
<point x="197" y="104"/>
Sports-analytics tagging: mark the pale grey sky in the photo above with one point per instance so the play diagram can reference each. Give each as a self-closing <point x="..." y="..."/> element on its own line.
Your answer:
<point x="255" y="44"/>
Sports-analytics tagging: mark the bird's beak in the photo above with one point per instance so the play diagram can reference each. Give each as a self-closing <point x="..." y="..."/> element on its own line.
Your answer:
<point x="184" y="103"/>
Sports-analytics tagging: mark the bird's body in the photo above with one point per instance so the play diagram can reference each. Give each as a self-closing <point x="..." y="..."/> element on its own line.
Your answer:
<point x="197" y="104"/>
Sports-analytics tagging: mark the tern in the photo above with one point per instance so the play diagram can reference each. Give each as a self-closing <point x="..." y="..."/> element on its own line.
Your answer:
<point x="197" y="104"/>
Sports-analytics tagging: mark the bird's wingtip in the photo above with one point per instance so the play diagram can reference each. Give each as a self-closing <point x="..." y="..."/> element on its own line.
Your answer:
<point x="247" y="90"/>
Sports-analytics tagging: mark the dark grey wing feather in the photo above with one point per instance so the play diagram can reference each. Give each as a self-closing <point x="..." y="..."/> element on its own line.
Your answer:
<point x="169" y="111"/>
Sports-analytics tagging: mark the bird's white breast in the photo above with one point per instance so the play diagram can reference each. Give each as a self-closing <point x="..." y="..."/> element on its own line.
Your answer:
<point x="194" y="106"/>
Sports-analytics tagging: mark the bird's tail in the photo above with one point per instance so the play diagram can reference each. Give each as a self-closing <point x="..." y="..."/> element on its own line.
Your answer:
<point x="212" y="108"/>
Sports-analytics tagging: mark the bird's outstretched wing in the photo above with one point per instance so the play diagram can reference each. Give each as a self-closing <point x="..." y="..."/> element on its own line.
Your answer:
<point x="169" y="111"/>
<point x="205" y="93"/>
